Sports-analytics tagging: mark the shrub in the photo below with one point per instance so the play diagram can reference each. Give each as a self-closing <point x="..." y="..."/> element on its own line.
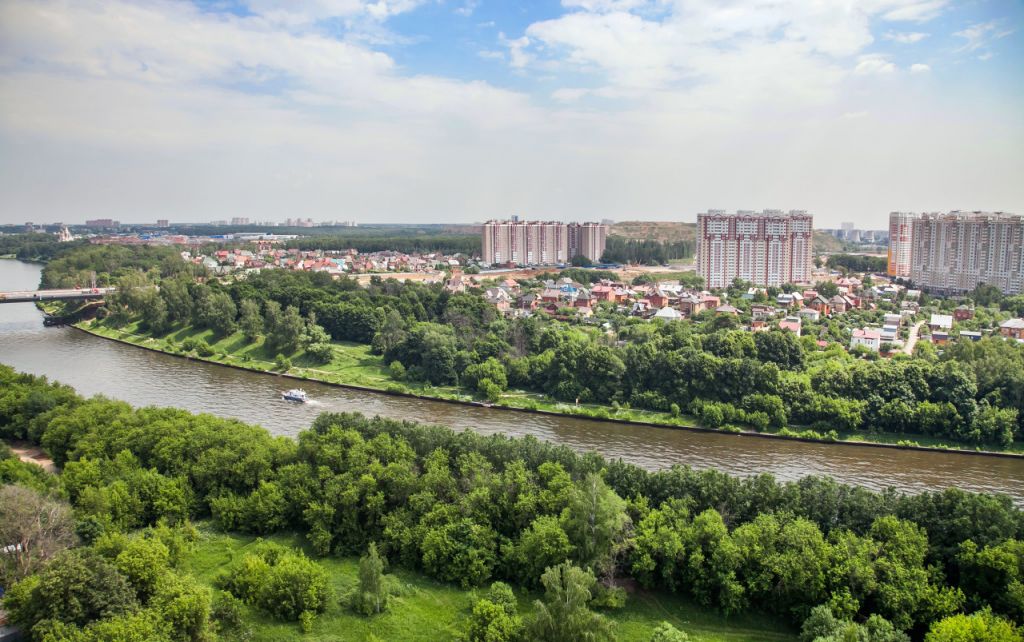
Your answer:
<point x="279" y="581"/>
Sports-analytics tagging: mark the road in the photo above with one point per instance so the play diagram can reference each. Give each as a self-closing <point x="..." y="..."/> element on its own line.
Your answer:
<point x="53" y="295"/>
<point x="912" y="339"/>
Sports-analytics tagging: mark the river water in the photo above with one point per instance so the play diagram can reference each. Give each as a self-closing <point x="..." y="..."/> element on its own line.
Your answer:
<point x="99" y="366"/>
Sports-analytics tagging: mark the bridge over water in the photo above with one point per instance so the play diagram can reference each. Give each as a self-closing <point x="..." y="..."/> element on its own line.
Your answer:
<point x="54" y="295"/>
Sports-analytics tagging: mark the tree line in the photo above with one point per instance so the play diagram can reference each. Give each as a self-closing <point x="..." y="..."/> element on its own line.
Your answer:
<point x="470" y="509"/>
<point x="647" y="252"/>
<point x="973" y="393"/>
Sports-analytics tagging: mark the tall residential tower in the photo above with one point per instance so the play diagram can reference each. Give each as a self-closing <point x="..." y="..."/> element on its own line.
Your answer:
<point x="767" y="248"/>
<point x="952" y="253"/>
<point x="900" y="235"/>
<point x="541" y="242"/>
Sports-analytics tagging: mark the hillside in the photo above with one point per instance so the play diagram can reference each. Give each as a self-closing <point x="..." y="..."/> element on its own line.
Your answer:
<point x="654" y="230"/>
<point x="825" y="243"/>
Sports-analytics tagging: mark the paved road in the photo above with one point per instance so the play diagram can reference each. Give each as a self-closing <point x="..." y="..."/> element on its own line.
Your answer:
<point x="912" y="339"/>
<point x="49" y="295"/>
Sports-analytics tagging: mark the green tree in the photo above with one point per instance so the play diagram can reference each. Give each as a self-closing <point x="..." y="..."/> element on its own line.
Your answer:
<point x="982" y="626"/>
<point x="372" y="594"/>
<point x="596" y="523"/>
<point x="563" y="615"/>
<point x="250" y="320"/>
<point x="77" y="587"/>
<point x="665" y="632"/>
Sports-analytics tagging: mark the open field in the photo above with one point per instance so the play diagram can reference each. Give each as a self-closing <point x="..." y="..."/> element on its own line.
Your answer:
<point x="664" y="231"/>
<point x="428" y="610"/>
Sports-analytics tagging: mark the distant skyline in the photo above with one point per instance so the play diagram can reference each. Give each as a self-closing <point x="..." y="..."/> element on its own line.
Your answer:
<point x="458" y="111"/>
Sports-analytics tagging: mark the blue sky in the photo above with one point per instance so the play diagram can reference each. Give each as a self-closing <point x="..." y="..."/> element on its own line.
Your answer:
<point x="462" y="110"/>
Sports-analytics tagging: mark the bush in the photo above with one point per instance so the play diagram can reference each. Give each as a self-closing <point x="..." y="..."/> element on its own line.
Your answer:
<point x="396" y="370"/>
<point x="320" y="352"/>
<point x="203" y="349"/>
<point x="282" y="363"/>
<point x="279" y="581"/>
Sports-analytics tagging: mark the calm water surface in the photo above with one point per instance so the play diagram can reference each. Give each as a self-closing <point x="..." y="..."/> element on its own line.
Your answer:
<point x="98" y="366"/>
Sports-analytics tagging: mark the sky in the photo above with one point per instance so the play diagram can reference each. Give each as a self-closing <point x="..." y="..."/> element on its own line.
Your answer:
<point x="456" y="111"/>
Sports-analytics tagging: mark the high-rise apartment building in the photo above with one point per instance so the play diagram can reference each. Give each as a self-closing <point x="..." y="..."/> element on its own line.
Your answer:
<point x="900" y="235"/>
<point x="952" y="253"/>
<point x="541" y="242"/>
<point x="587" y="239"/>
<point x="767" y="248"/>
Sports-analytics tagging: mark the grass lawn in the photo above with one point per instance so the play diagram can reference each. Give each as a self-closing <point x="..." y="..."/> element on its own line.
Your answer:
<point x="425" y="609"/>
<point x="354" y="365"/>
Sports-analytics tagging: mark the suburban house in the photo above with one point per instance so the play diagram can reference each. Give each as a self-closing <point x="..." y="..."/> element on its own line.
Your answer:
<point x="1012" y="329"/>
<point x="870" y="339"/>
<point x="762" y="311"/>
<point x="963" y="313"/>
<point x="793" y="324"/>
<point x="940" y="322"/>
<point x="691" y="304"/>
<point x="668" y="314"/>
<point x="809" y="313"/>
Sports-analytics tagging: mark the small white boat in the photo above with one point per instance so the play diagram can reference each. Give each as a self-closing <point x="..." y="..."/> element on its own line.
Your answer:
<point x="295" y="394"/>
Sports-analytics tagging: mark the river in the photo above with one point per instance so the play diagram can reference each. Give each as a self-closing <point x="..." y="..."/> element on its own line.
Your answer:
<point x="98" y="366"/>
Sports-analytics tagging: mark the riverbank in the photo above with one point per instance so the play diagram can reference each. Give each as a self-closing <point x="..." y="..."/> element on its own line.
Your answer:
<point x="354" y="367"/>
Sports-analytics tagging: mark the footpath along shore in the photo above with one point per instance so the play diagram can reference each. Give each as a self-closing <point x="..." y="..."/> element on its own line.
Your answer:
<point x="590" y="412"/>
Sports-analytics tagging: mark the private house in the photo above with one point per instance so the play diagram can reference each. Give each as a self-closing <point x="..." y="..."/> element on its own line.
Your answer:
<point x="668" y="314"/>
<point x="940" y="322"/>
<point x="762" y="311"/>
<point x="970" y="335"/>
<point x="792" y="324"/>
<point x="726" y="309"/>
<point x="1012" y="329"/>
<point x="602" y="292"/>
<point x="893" y="319"/>
<point x="820" y="304"/>
<point x="963" y="313"/>
<point x="786" y="300"/>
<point x="870" y="339"/>
<point x="940" y="337"/>
<point x="809" y="313"/>
<point x="690" y="305"/>
<point x="840" y="304"/>
<point x="551" y="295"/>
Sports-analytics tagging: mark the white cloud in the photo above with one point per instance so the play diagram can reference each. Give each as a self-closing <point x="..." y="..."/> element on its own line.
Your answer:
<point x="518" y="56"/>
<point x="982" y="35"/>
<point x="873" y="64"/>
<point x="916" y="11"/>
<point x="919" y="68"/>
<point x="905" y="38"/>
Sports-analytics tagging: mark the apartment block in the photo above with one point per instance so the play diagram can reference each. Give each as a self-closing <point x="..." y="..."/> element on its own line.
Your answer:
<point x="951" y="253"/>
<point x="541" y="242"/>
<point x="900" y="237"/>
<point x="767" y="248"/>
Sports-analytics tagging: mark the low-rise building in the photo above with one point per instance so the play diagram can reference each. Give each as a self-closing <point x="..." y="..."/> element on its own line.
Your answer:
<point x="870" y="339"/>
<point x="1012" y="329"/>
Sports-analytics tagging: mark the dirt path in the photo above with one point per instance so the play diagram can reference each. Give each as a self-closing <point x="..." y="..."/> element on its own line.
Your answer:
<point x="33" y="455"/>
<point x="912" y="338"/>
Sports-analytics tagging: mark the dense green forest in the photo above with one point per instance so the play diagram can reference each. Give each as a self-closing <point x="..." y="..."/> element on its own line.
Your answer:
<point x="973" y="393"/>
<point x="842" y="562"/>
<point x="858" y="263"/>
<point x="444" y="243"/>
<point x="34" y="246"/>
<point x="622" y="250"/>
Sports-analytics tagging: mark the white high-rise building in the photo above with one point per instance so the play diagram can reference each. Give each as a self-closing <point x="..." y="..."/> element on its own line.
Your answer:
<point x="541" y="242"/>
<point x="900" y="236"/>
<point x="952" y="253"/>
<point x="767" y="248"/>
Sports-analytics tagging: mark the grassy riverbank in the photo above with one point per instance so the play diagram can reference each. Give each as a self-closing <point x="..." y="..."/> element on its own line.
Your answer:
<point x="353" y="365"/>
<point x="425" y="609"/>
